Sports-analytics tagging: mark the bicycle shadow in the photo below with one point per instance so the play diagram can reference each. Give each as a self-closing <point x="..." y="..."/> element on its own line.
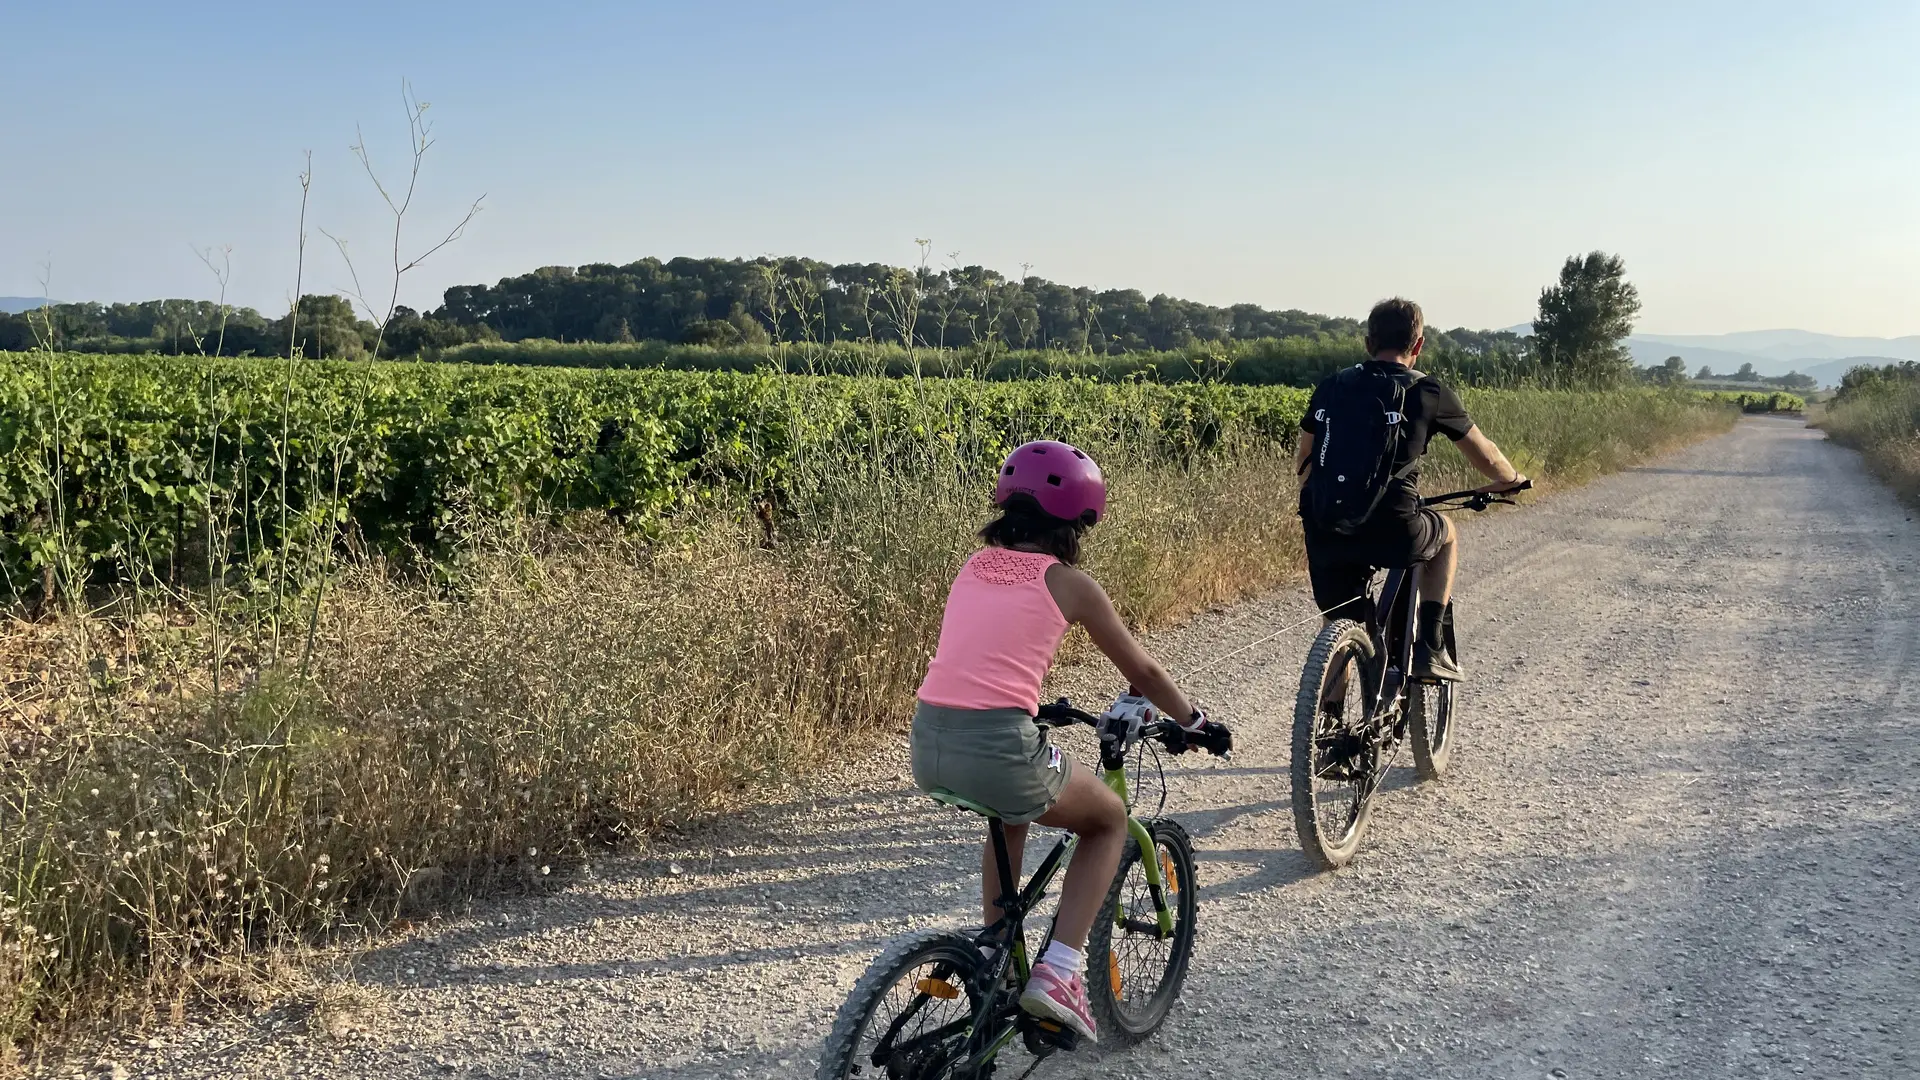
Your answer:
<point x="825" y="878"/>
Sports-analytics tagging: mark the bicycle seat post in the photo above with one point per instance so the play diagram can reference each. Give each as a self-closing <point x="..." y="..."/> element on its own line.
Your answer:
<point x="1009" y="901"/>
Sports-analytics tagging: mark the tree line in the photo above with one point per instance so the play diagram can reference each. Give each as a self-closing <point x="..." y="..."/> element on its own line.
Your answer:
<point x="323" y="326"/>
<point x="717" y="302"/>
<point x="745" y="305"/>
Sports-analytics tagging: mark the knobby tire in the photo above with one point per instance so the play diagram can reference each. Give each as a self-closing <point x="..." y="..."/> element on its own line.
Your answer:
<point x="848" y="1052"/>
<point x="1131" y="1011"/>
<point x="1340" y="644"/>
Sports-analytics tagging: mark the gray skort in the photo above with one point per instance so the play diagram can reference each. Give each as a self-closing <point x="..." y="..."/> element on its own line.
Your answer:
<point x="996" y="757"/>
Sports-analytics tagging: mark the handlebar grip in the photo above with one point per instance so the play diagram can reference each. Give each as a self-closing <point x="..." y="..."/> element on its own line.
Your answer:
<point x="1215" y="737"/>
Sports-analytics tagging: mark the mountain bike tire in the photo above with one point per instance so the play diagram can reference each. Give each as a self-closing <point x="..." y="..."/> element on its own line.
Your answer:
<point x="902" y="975"/>
<point x="1330" y="813"/>
<point x="1133" y="976"/>
<point x="1431" y="724"/>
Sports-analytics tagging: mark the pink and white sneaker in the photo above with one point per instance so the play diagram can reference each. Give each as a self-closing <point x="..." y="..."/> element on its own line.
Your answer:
<point x="1051" y="995"/>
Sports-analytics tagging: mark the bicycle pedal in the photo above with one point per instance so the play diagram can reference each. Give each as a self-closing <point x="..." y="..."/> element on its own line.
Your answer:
<point x="1044" y="1037"/>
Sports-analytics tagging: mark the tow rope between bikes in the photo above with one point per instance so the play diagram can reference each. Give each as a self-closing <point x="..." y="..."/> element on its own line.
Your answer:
<point x="1282" y="632"/>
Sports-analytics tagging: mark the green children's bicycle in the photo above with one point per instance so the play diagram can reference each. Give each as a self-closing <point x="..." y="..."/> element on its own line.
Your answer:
<point x="943" y="1005"/>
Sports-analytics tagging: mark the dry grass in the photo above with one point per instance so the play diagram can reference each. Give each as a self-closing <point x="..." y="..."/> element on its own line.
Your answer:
<point x="1881" y="419"/>
<point x="555" y="691"/>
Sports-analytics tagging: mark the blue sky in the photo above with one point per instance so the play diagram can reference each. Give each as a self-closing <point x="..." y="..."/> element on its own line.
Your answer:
<point x="1757" y="164"/>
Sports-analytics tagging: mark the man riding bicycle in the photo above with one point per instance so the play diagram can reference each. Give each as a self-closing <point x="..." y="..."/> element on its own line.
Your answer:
<point x="1362" y="438"/>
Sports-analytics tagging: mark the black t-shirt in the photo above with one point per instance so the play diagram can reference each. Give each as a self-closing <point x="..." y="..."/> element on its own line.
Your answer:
<point x="1431" y="409"/>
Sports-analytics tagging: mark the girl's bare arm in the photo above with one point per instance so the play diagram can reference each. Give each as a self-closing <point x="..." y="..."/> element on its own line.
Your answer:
<point x="1083" y="601"/>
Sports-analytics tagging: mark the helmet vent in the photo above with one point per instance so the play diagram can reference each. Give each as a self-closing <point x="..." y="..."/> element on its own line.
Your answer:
<point x="1054" y="480"/>
<point x="1080" y="455"/>
<point x="1039" y="449"/>
<point x="1008" y="471"/>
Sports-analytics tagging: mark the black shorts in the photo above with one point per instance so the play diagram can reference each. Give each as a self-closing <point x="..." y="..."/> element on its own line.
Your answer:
<point x="1339" y="566"/>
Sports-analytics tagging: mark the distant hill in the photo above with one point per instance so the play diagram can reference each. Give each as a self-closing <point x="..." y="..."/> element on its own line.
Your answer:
<point x="1799" y="346"/>
<point x="13" y="305"/>
<point x="1826" y="357"/>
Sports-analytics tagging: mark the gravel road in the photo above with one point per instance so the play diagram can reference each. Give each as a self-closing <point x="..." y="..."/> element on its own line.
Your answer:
<point x="1678" y="842"/>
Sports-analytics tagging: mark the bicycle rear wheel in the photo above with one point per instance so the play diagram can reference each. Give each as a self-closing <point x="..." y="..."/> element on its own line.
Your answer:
<point x="909" y="1016"/>
<point x="1334" y="755"/>
<point x="1134" y="972"/>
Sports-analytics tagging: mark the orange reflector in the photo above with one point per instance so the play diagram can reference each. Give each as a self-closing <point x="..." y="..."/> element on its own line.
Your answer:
<point x="1113" y="973"/>
<point x="939" y="988"/>
<point x="1167" y="871"/>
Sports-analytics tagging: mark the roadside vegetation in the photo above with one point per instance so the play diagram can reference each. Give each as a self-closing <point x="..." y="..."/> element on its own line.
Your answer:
<point x="1759" y="401"/>
<point x="1877" y="412"/>
<point x="320" y="643"/>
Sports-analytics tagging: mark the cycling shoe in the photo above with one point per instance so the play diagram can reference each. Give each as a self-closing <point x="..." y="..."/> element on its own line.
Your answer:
<point x="1435" y="664"/>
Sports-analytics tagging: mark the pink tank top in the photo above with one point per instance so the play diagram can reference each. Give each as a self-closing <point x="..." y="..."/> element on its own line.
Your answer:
<point x="998" y="636"/>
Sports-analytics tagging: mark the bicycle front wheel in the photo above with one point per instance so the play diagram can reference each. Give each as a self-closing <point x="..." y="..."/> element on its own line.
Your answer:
<point x="1134" y="968"/>
<point x="910" y="1014"/>
<point x="1432" y="724"/>
<point x="1334" y="755"/>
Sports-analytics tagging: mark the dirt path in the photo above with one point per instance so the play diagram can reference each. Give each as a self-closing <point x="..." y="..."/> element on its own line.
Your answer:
<point x="1679" y="842"/>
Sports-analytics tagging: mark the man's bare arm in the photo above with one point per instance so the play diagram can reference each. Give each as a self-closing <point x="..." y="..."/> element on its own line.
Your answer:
<point x="1486" y="457"/>
<point x="1302" y="452"/>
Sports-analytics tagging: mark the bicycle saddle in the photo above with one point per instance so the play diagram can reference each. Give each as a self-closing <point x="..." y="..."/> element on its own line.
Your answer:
<point x="960" y="802"/>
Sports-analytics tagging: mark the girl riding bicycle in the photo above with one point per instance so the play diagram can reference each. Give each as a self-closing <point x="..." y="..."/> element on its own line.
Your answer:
<point x="973" y="731"/>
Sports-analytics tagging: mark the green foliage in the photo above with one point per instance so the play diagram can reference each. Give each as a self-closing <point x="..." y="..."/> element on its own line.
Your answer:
<point x="1461" y="356"/>
<point x="1877" y="412"/>
<point x="1758" y="401"/>
<point x="805" y="300"/>
<point x="1866" y="381"/>
<point x="1584" y="320"/>
<point x="118" y="462"/>
<point x="328" y="328"/>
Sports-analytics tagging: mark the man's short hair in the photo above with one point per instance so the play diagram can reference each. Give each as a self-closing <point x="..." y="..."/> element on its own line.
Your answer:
<point x="1393" y="326"/>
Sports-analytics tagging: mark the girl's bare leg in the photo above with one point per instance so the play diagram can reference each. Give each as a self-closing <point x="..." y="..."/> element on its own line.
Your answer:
<point x="1091" y="809"/>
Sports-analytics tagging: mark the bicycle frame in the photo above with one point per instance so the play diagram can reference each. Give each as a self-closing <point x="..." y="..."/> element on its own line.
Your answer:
<point x="1398" y="607"/>
<point x="991" y="1030"/>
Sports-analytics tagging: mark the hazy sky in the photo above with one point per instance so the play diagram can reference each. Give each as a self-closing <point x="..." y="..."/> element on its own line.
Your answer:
<point x="1756" y="163"/>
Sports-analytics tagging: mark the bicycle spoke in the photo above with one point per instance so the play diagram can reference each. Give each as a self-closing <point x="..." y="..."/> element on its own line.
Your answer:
<point x="926" y="1028"/>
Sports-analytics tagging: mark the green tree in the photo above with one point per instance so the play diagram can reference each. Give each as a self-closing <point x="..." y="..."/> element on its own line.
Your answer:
<point x="327" y="329"/>
<point x="1705" y="372"/>
<point x="1676" y="369"/>
<point x="1746" y="373"/>
<point x="1585" y="318"/>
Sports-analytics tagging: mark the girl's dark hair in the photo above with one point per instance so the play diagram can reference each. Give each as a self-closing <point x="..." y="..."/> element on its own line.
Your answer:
<point x="1023" y="524"/>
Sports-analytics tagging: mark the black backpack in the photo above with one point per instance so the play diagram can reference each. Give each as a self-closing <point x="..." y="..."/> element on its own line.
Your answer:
<point x="1363" y="423"/>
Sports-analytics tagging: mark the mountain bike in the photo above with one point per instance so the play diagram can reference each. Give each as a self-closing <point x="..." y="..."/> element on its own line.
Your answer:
<point x="1359" y="701"/>
<point x="942" y="1005"/>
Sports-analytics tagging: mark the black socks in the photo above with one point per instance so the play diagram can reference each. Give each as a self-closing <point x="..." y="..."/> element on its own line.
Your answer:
<point x="1431" y="615"/>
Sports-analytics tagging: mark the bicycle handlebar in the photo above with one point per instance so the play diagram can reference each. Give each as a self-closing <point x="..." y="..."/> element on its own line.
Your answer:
<point x="1173" y="736"/>
<point x="1476" y="500"/>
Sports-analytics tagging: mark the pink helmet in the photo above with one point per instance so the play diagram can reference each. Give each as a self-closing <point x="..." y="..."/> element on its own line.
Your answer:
<point x="1065" y="482"/>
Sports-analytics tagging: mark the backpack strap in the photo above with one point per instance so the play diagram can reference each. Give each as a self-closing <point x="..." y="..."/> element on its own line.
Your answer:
<point x="1400" y="418"/>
